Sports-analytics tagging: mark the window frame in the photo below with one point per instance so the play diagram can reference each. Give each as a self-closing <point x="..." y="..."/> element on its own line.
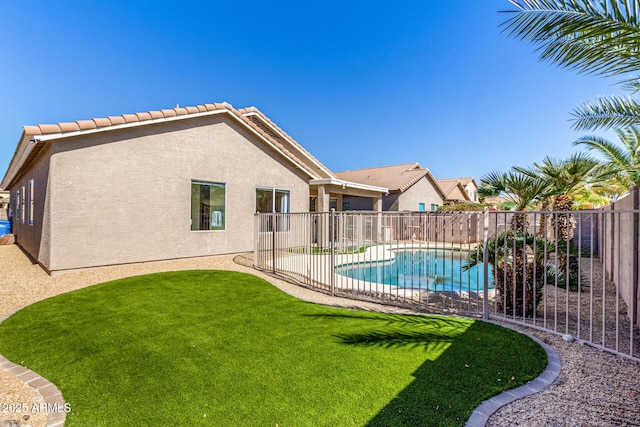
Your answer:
<point x="22" y="206"/>
<point x="273" y="198"/>
<point x="31" y="194"/>
<point x="16" y="202"/>
<point x="224" y="213"/>
<point x="281" y="227"/>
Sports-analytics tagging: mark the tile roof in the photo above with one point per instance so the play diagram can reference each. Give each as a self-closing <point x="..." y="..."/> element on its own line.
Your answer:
<point x="449" y="185"/>
<point x="288" y="147"/>
<point x="464" y="181"/>
<point x="105" y="122"/>
<point x="397" y="178"/>
<point x="276" y="133"/>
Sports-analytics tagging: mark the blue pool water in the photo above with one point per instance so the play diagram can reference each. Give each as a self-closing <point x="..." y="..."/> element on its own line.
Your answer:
<point x="435" y="270"/>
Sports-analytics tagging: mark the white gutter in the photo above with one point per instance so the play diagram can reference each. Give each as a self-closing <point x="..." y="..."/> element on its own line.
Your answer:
<point x="348" y="184"/>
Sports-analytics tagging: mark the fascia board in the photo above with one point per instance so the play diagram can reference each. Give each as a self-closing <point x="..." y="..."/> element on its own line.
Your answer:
<point x="24" y="148"/>
<point x="285" y="137"/>
<point x="348" y="184"/>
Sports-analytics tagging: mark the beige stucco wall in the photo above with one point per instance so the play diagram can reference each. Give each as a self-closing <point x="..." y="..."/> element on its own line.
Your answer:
<point x="420" y="192"/>
<point x="34" y="238"/>
<point x="472" y="191"/>
<point x="124" y="196"/>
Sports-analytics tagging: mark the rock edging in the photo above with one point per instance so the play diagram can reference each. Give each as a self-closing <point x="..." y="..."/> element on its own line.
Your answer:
<point x="481" y="414"/>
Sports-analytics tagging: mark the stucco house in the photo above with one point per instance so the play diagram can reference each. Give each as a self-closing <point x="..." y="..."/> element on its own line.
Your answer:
<point x="411" y="188"/>
<point x="469" y="185"/>
<point x="175" y="183"/>
<point x="457" y="192"/>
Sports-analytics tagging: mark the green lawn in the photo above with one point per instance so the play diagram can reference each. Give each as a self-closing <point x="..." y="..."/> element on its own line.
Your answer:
<point x="228" y="349"/>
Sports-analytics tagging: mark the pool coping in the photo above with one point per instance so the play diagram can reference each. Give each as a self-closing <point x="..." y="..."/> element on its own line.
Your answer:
<point x="481" y="414"/>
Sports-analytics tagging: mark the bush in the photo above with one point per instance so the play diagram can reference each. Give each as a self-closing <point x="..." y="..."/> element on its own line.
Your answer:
<point x="464" y="207"/>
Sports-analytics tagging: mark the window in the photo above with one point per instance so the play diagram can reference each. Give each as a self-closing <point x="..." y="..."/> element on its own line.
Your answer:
<point x="208" y="201"/>
<point x="31" y="193"/>
<point x="434" y="207"/>
<point x="265" y="198"/>
<point x="421" y="207"/>
<point x="346" y="206"/>
<point x="273" y="200"/>
<point x="17" y="205"/>
<point x="22" y="205"/>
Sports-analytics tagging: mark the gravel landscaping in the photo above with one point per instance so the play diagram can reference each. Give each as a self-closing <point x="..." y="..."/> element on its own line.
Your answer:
<point x="594" y="388"/>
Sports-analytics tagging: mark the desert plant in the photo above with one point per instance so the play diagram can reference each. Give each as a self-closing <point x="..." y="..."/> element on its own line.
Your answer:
<point x="522" y="263"/>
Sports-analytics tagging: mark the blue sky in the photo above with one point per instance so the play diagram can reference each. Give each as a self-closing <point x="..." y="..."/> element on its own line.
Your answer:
<point x="358" y="84"/>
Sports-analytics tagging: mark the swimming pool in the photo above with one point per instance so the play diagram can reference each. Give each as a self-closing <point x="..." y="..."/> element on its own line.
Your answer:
<point x="435" y="270"/>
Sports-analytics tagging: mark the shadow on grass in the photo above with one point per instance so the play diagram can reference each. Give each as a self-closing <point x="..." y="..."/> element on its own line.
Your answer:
<point x="469" y="362"/>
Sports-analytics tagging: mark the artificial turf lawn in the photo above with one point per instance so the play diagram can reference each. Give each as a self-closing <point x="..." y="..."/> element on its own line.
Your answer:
<point x="228" y="349"/>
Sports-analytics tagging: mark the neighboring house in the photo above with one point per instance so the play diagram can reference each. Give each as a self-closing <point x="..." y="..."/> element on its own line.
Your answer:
<point x="158" y="185"/>
<point x="411" y="188"/>
<point x="456" y="192"/>
<point x="471" y="187"/>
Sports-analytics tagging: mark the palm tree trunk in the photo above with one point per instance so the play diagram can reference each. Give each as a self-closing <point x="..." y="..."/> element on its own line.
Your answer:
<point x="520" y="222"/>
<point x="546" y="226"/>
<point x="565" y="221"/>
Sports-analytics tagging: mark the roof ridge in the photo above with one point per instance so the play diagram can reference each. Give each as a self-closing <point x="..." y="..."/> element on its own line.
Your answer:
<point x="383" y="167"/>
<point x="289" y="138"/>
<point x="103" y="122"/>
<point x="414" y="166"/>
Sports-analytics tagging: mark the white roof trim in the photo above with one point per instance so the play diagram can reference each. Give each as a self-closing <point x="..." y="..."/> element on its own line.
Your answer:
<point x="21" y="155"/>
<point x="24" y="148"/>
<point x="302" y="151"/>
<point x="348" y="184"/>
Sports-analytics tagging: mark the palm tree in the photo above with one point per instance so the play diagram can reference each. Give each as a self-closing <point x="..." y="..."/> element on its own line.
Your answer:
<point x="521" y="267"/>
<point x="563" y="178"/>
<point x="623" y="160"/>
<point x="599" y="37"/>
<point x="519" y="188"/>
<point x="513" y="272"/>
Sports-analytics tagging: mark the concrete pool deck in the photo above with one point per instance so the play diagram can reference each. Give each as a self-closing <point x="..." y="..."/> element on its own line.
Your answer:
<point x="317" y="268"/>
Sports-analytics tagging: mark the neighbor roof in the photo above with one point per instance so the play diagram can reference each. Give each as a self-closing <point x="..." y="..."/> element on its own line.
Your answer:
<point x="34" y="138"/>
<point x="449" y="185"/>
<point x="464" y="181"/>
<point x="397" y="178"/>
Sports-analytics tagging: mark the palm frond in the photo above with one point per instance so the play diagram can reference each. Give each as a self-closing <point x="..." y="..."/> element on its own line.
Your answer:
<point x="599" y="37"/>
<point x="632" y="85"/>
<point x="610" y="151"/>
<point x="607" y="112"/>
<point x="622" y="161"/>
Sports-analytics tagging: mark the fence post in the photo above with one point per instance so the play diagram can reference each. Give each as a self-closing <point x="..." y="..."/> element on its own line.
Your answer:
<point x="273" y="241"/>
<point x="332" y="217"/>
<point x="256" y="239"/>
<point x="634" y="260"/>
<point x="485" y="265"/>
